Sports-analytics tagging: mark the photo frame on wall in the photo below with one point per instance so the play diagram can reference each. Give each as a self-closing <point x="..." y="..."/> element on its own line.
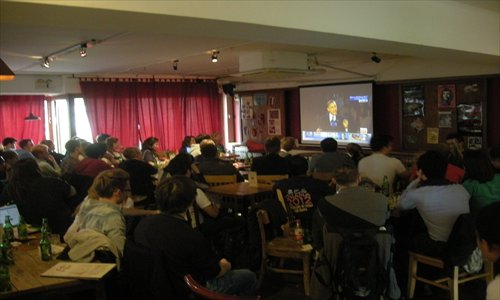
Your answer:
<point x="446" y="96"/>
<point x="474" y="142"/>
<point x="413" y="101"/>
<point x="469" y="118"/>
<point x="444" y="119"/>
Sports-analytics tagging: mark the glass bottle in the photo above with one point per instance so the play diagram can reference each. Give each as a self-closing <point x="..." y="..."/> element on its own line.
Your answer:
<point x="5" y="285"/>
<point x="22" y="229"/>
<point x="385" y="186"/>
<point x="8" y="229"/>
<point x="45" y="247"/>
<point x="298" y="232"/>
<point x="7" y="256"/>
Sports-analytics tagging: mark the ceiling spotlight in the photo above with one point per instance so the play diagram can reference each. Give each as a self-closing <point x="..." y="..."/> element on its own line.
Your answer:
<point x="83" y="50"/>
<point x="375" y="58"/>
<point x="46" y="62"/>
<point x="174" y="64"/>
<point x="215" y="57"/>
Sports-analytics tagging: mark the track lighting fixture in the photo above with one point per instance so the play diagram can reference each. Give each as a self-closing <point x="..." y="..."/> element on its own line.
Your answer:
<point x="215" y="57"/>
<point x="81" y="47"/>
<point x="83" y="50"/>
<point x="375" y="58"/>
<point x="46" y="62"/>
<point x="174" y="64"/>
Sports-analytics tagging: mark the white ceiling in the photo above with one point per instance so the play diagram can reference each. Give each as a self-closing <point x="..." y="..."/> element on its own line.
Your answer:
<point x="140" y="44"/>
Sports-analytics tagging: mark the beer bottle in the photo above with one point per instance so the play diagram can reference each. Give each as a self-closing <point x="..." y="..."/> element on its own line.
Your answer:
<point x="7" y="257"/>
<point x="5" y="285"/>
<point x="8" y="229"/>
<point x="298" y="232"/>
<point x="385" y="186"/>
<point x="22" y="229"/>
<point x="45" y="247"/>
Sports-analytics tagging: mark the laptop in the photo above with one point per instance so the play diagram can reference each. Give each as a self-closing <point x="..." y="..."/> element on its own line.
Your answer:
<point x="12" y="211"/>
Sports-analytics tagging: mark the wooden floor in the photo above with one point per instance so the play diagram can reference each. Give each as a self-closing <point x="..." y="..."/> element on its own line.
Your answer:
<point x="286" y="287"/>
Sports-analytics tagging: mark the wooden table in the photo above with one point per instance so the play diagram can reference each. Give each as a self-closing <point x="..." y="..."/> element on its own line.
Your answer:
<point x="241" y="195"/>
<point x="26" y="281"/>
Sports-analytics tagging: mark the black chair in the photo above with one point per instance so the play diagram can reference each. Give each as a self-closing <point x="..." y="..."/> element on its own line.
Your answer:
<point x="144" y="274"/>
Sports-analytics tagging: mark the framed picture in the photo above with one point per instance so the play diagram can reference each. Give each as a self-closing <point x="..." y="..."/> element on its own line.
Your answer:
<point x="446" y="96"/>
<point x="444" y="119"/>
<point x="469" y="119"/>
<point x="413" y="101"/>
<point x="474" y="142"/>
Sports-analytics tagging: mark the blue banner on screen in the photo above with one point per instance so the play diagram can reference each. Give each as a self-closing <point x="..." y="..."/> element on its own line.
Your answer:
<point x="341" y="111"/>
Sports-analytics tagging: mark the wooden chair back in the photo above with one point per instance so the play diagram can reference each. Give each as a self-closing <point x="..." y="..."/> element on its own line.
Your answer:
<point x="463" y="234"/>
<point x="203" y="293"/>
<point x="283" y="248"/>
<point x="270" y="179"/>
<point x="214" y="180"/>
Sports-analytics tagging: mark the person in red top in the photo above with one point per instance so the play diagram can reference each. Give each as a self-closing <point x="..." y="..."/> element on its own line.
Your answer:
<point x="92" y="165"/>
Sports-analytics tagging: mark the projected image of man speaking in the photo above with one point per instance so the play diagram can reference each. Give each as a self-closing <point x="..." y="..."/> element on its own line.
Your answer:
<point x="333" y="121"/>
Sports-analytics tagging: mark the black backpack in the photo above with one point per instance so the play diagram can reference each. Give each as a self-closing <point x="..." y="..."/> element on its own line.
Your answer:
<point x="358" y="272"/>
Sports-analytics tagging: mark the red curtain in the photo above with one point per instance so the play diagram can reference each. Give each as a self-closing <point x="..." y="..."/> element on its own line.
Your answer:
<point x="13" y="110"/>
<point x="111" y="108"/>
<point x="166" y="109"/>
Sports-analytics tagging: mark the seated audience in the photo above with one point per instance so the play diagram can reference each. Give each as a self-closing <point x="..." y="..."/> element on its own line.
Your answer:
<point x="186" y="144"/>
<point x="184" y="250"/>
<point x="195" y="148"/>
<point x="488" y="240"/>
<point x="330" y="160"/>
<point x="9" y="144"/>
<point x="271" y="163"/>
<point x="92" y="165"/>
<point x="480" y="180"/>
<point x="438" y="202"/>
<point x="209" y="162"/>
<point x="353" y="206"/>
<point x="151" y="156"/>
<point x="2" y="174"/>
<point x="113" y="155"/>
<point x="52" y="151"/>
<point x="495" y="158"/>
<point x="182" y="165"/>
<point x="141" y="180"/>
<point x="379" y="164"/>
<point x="74" y="154"/>
<point x="99" y="221"/>
<point x="25" y="147"/>
<point x="353" y="209"/>
<point x="455" y="143"/>
<point x="46" y="162"/>
<point x="10" y="158"/>
<point x="355" y="152"/>
<point x="39" y="197"/>
<point x="217" y="138"/>
<point x="288" y="143"/>
<point x="302" y="193"/>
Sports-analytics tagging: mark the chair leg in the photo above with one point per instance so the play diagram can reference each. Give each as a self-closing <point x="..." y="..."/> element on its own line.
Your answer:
<point x="412" y="274"/>
<point x="262" y="272"/>
<point x="307" y="274"/>
<point x="453" y="284"/>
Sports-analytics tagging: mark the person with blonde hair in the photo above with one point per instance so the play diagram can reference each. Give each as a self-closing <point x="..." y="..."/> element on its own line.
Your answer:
<point x="288" y="143"/>
<point x="100" y="215"/>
